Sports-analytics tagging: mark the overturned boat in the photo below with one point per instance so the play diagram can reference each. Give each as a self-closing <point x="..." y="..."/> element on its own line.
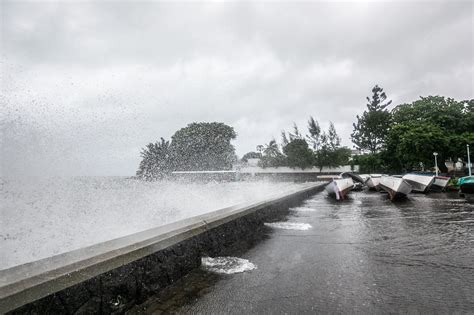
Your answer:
<point x="397" y="187"/>
<point x="358" y="180"/>
<point x="466" y="187"/>
<point x="355" y="177"/>
<point x="373" y="182"/>
<point x="419" y="182"/>
<point x="340" y="187"/>
<point x="364" y="177"/>
<point x="358" y="187"/>
<point x="440" y="183"/>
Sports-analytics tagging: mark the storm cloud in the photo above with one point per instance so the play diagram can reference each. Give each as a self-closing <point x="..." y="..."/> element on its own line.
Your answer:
<point x="85" y="85"/>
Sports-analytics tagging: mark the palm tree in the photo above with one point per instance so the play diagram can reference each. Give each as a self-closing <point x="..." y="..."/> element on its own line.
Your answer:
<point x="271" y="149"/>
<point x="156" y="160"/>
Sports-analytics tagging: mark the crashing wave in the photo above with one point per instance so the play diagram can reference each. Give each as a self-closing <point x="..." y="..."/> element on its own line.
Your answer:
<point x="227" y="265"/>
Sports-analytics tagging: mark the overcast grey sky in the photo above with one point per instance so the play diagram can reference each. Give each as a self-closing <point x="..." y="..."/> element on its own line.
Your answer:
<point x="85" y="85"/>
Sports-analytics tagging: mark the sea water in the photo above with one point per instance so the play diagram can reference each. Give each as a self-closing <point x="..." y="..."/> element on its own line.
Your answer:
<point x="42" y="217"/>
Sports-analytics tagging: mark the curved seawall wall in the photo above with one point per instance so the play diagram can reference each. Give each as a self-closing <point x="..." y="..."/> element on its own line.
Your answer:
<point x="113" y="276"/>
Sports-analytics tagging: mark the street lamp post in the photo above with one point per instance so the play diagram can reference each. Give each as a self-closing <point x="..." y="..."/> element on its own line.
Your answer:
<point x="468" y="160"/>
<point x="436" y="162"/>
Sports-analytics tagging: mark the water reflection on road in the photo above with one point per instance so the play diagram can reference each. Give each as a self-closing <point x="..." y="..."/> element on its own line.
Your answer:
<point x="363" y="255"/>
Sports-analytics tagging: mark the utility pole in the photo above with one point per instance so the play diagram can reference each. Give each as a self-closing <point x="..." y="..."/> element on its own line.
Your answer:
<point x="468" y="160"/>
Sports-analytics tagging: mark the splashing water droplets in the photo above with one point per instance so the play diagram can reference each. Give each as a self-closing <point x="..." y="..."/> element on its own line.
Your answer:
<point x="227" y="265"/>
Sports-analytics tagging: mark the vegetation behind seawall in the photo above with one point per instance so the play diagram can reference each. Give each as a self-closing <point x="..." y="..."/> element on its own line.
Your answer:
<point x="387" y="139"/>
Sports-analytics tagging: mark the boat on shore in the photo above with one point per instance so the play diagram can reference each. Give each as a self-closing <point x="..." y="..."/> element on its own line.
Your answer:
<point x="452" y="188"/>
<point x="466" y="187"/>
<point x="358" y="187"/>
<point x="365" y="177"/>
<point x="358" y="180"/>
<point x="340" y="187"/>
<point x="355" y="177"/>
<point x="440" y="183"/>
<point x="419" y="182"/>
<point x="397" y="187"/>
<point x="373" y="182"/>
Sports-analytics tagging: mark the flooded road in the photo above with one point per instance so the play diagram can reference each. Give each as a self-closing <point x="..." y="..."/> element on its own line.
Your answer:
<point x="362" y="255"/>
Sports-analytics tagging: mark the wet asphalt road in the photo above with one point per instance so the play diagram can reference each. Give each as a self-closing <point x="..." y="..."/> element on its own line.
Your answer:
<point x="363" y="255"/>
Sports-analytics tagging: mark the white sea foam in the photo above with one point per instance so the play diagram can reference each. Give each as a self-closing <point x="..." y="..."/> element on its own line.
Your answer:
<point x="290" y="226"/>
<point x="303" y="209"/>
<point x="41" y="217"/>
<point x="227" y="265"/>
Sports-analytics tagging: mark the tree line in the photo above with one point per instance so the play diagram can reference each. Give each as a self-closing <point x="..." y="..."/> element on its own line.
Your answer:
<point x="196" y="147"/>
<point x="390" y="141"/>
<point x="317" y="148"/>
<point x="404" y="139"/>
<point x="207" y="146"/>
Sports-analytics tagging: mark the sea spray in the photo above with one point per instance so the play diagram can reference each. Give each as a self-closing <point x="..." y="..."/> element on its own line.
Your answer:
<point x="42" y="217"/>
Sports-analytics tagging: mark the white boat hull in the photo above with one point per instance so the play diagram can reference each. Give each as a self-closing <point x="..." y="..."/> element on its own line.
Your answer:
<point x="365" y="177"/>
<point x="397" y="187"/>
<point x="373" y="183"/>
<point x="440" y="183"/>
<point x="419" y="183"/>
<point x="340" y="188"/>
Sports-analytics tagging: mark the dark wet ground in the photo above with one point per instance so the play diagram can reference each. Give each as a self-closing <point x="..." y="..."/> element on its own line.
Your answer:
<point x="362" y="255"/>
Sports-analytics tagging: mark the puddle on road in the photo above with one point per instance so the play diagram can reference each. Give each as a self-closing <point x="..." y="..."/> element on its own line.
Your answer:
<point x="227" y="265"/>
<point x="290" y="226"/>
<point x="303" y="209"/>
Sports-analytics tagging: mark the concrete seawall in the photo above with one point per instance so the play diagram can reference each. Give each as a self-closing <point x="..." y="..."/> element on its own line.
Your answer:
<point x="284" y="174"/>
<point x="113" y="276"/>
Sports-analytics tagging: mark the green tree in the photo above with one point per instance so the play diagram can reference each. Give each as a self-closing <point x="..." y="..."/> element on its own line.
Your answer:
<point x="199" y="146"/>
<point x="295" y="134"/>
<point x="314" y="136"/>
<point x="330" y="153"/>
<point x="334" y="140"/>
<point x="271" y="149"/>
<point x="372" y="127"/>
<point x="298" y="154"/>
<point x="323" y="154"/>
<point x="457" y="145"/>
<point x="342" y="156"/>
<point x="284" y="138"/>
<point x="370" y="163"/>
<point x="430" y="124"/>
<point x="203" y="146"/>
<point x="272" y="156"/>
<point x="417" y="142"/>
<point x="447" y="113"/>
<point x="156" y="160"/>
